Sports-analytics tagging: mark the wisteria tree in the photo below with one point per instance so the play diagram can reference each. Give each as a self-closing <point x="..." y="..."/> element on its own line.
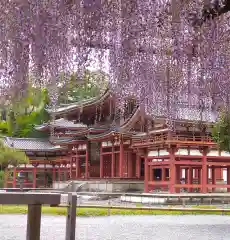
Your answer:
<point x="173" y="55"/>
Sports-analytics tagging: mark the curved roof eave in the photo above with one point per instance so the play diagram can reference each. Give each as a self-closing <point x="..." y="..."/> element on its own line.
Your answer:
<point x="81" y="104"/>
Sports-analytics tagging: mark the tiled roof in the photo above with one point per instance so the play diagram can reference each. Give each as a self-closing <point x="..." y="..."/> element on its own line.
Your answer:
<point x="33" y="144"/>
<point x="68" y="124"/>
<point x="73" y="106"/>
<point x="62" y="123"/>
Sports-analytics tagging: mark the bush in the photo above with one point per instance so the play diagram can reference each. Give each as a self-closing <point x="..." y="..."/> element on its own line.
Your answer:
<point x="221" y="132"/>
<point x="2" y="176"/>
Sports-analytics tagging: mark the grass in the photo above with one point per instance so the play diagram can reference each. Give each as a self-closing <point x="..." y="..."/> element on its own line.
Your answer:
<point x="61" y="211"/>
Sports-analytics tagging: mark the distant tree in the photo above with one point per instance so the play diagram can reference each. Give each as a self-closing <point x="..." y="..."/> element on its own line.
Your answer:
<point x="92" y="84"/>
<point x="21" y="116"/>
<point x="221" y="132"/>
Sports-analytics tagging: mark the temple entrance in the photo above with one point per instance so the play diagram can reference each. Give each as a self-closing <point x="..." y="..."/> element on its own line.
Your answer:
<point x="157" y="174"/>
<point x="142" y="167"/>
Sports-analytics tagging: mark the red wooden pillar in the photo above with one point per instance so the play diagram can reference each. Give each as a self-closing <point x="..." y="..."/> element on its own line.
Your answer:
<point x="121" y="160"/>
<point x="204" y="172"/>
<point x="138" y="166"/>
<point x="199" y="176"/>
<point x="219" y="173"/>
<point x="54" y="173"/>
<point x="213" y="175"/>
<point x="14" y="177"/>
<point x="228" y="178"/>
<point x="34" y="177"/>
<point x="59" y="172"/>
<point x="178" y="176"/>
<point x="77" y="167"/>
<point x="172" y="171"/>
<point x="151" y="170"/>
<point x="71" y="167"/>
<point x="101" y="162"/>
<point x="190" y="178"/>
<point x="130" y="164"/>
<point x="66" y="173"/>
<point x="87" y="162"/>
<point x="113" y="161"/>
<point x="146" y="180"/>
<point x="151" y="177"/>
<point x="45" y="182"/>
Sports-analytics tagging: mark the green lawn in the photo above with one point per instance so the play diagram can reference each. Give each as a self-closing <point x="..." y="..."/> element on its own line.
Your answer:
<point x="20" y="209"/>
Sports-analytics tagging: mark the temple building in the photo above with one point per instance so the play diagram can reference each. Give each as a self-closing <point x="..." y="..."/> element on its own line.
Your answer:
<point x="95" y="140"/>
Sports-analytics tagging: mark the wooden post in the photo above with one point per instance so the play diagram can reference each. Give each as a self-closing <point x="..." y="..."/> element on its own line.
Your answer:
<point x="190" y="178"/>
<point x="34" y="222"/>
<point x="138" y="166"/>
<point x="172" y="177"/>
<point x="204" y="172"/>
<point x="71" y="217"/>
<point x="146" y="181"/>
<point x="228" y="178"/>
<point x="59" y="173"/>
<point x="113" y="161"/>
<point x="34" y="177"/>
<point x="213" y="171"/>
<point x="77" y="167"/>
<point x="121" y="160"/>
<point x="178" y="178"/>
<point x="101" y="162"/>
<point x="87" y="162"/>
<point x="130" y="165"/>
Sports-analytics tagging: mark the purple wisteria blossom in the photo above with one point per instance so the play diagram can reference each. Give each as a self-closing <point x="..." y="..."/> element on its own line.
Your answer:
<point x="170" y="54"/>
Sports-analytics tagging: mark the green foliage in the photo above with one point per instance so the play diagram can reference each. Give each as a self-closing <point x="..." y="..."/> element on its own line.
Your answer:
<point x="11" y="156"/>
<point x="2" y="176"/>
<point x="23" y="115"/>
<point x="221" y="132"/>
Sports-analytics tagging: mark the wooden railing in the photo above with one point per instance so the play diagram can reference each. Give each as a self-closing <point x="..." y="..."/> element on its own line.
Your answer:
<point x="165" y="138"/>
<point x="35" y="202"/>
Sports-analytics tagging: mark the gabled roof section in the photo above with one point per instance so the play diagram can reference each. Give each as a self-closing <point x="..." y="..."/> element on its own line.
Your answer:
<point x="31" y="144"/>
<point x="67" y="108"/>
<point x="61" y="123"/>
<point x="129" y="122"/>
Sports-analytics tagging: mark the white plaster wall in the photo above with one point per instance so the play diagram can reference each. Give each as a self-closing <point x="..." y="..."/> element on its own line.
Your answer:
<point x="225" y="154"/>
<point x="31" y="166"/>
<point x="183" y="173"/>
<point x="182" y="151"/>
<point x="106" y="144"/>
<point x="153" y="153"/>
<point x="213" y="153"/>
<point x="163" y="152"/>
<point x="225" y="174"/>
<point x="82" y="147"/>
<point x="195" y="152"/>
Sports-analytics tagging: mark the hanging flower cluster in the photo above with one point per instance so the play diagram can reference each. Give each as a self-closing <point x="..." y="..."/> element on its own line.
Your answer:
<point x="170" y="54"/>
